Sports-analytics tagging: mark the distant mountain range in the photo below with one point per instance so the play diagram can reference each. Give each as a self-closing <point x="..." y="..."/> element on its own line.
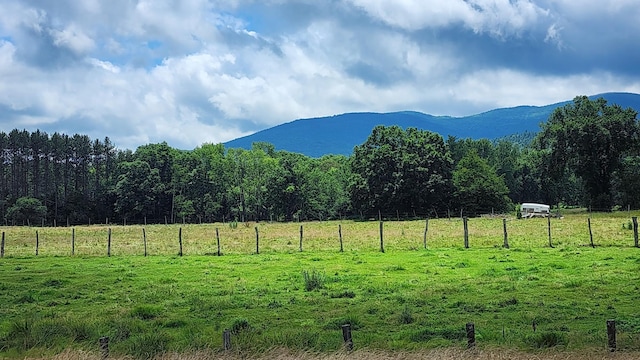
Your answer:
<point x="339" y="134"/>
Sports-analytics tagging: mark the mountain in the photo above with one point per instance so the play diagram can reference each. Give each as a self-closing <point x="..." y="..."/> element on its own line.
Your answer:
<point x="339" y="134"/>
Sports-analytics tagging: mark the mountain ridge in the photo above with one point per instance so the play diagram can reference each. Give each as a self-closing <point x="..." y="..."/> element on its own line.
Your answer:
<point x="338" y="134"/>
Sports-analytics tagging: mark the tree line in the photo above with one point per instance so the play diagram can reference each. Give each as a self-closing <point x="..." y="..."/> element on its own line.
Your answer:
<point x="586" y="154"/>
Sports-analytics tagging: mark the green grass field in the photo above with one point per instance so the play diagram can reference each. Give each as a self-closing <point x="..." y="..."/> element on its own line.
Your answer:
<point x="406" y="299"/>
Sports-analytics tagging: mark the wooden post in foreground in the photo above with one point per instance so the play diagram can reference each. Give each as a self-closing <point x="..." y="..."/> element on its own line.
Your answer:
<point x="381" y="237"/>
<point x="339" y="234"/>
<point x="590" y="232"/>
<point x="144" y="240"/>
<point x="611" y="335"/>
<point x="104" y="347"/>
<point x="466" y="232"/>
<point x="73" y="241"/>
<point x="346" y="336"/>
<point x="109" y="243"/>
<point x="2" y="246"/>
<point x="218" y="239"/>
<point x="257" y="241"/>
<point x="426" y="229"/>
<point x="506" y="237"/>
<point x="549" y="229"/>
<point x="180" y="240"/>
<point x="37" y="242"/>
<point x="226" y="340"/>
<point x="635" y="231"/>
<point x="471" y="335"/>
<point x="301" y="232"/>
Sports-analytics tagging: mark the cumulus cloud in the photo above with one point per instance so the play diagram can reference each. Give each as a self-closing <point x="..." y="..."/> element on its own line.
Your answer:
<point x="196" y="71"/>
<point x="498" y="17"/>
<point x="73" y="39"/>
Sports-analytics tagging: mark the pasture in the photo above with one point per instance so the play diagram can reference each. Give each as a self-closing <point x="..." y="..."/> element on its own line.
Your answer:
<point x="408" y="299"/>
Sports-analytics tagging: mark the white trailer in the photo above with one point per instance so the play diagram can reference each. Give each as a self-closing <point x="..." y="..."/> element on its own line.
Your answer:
<point x="528" y="210"/>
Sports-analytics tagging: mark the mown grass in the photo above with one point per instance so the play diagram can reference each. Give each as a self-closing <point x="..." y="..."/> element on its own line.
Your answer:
<point x="406" y="299"/>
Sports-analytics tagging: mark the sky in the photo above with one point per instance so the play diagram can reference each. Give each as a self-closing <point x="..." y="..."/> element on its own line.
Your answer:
<point x="190" y="72"/>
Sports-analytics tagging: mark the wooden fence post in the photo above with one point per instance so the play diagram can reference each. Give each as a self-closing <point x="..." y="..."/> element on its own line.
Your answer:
<point x="180" y="240"/>
<point x="301" y="232"/>
<point x="381" y="237"/>
<point x="218" y="239"/>
<point x="549" y="230"/>
<point x="339" y="234"/>
<point x="144" y="241"/>
<point x="104" y="347"/>
<point x="426" y="229"/>
<point x="590" y="232"/>
<point x="2" y="246"/>
<point x="37" y="242"/>
<point x="506" y="237"/>
<point x="226" y="340"/>
<point x="109" y="243"/>
<point x="346" y="336"/>
<point x="471" y="335"/>
<point x="257" y="241"/>
<point x="635" y="231"/>
<point x="611" y="335"/>
<point x="466" y="232"/>
<point x="73" y="241"/>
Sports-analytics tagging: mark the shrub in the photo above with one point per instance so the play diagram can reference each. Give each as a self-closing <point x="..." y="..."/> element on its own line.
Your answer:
<point x="239" y="325"/>
<point x="148" y="344"/>
<point x="406" y="317"/>
<point x="547" y="339"/>
<point x="313" y="280"/>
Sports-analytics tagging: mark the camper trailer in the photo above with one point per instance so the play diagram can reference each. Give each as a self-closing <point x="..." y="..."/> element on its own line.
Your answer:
<point x="528" y="210"/>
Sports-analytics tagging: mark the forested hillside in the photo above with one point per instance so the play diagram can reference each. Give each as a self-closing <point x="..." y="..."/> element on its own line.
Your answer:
<point x="586" y="154"/>
<point x="340" y="133"/>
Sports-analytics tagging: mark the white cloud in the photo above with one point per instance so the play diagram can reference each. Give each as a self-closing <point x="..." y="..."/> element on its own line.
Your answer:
<point x="508" y="88"/>
<point x="553" y="36"/>
<point x="498" y="17"/>
<point x="190" y="72"/>
<point x="72" y="38"/>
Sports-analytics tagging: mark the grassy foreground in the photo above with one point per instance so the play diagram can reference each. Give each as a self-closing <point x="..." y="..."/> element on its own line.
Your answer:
<point x="403" y="301"/>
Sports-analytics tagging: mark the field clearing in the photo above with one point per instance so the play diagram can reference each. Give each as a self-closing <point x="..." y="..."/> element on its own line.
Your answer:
<point x="408" y="302"/>
<point x="608" y="230"/>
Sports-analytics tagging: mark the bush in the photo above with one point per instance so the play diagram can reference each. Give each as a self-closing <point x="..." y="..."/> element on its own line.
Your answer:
<point x="313" y="280"/>
<point x="547" y="339"/>
<point x="147" y="345"/>
<point x="240" y="325"/>
<point x="406" y="317"/>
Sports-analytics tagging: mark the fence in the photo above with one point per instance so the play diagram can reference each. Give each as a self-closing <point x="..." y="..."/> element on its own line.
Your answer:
<point x="247" y="238"/>
<point x="348" y="342"/>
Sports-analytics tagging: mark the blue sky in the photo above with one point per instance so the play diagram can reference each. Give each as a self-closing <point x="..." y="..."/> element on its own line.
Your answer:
<point x="194" y="71"/>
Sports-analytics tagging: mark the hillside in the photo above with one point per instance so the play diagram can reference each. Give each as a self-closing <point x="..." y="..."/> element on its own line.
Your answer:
<point x="338" y="134"/>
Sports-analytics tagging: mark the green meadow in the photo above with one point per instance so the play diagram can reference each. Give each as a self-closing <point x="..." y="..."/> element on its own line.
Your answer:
<point x="530" y="297"/>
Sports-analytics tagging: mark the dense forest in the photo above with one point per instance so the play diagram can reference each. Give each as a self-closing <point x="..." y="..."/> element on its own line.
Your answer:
<point x="586" y="154"/>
